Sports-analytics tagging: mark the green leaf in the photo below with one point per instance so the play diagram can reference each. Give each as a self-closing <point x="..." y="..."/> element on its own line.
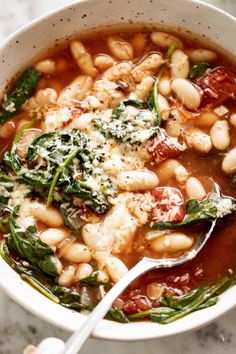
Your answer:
<point x="153" y="103"/>
<point x="27" y="244"/>
<point x="117" y="315"/>
<point x="20" y="92"/>
<point x="92" y="281"/>
<point x="208" y="209"/>
<point x="179" y="302"/>
<point x="71" y="216"/>
<point x="198" y="70"/>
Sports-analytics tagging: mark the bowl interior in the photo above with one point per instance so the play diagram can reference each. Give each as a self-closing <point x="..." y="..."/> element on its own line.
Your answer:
<point x="187" y="16"/>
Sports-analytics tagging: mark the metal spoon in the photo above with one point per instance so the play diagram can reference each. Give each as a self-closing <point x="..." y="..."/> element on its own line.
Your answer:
<point x="75" y="342"/>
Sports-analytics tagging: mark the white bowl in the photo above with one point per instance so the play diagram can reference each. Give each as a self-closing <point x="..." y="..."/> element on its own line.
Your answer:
<point x="17" y="52"/>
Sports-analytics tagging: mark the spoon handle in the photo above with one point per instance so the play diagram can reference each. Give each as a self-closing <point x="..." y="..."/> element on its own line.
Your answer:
<point x="77" y="339"/>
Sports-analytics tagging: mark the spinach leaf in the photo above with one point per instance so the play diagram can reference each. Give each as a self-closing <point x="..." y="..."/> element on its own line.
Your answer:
<point x="198" y="70"/>
<point x="71" y="216"/>
<point x="173" y="308"/>
<point x="21" y="91"/>
<point x="117" y="315"/>
<point x="27" y="244"/>
<point x="153" y="103"/>
<point x="128" y="102"/>
<point x="208" y="209"/>
<point x="92" y="280"/>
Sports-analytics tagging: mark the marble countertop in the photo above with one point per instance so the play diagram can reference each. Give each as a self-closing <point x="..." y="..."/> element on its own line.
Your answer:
<point x="18" y="327"/>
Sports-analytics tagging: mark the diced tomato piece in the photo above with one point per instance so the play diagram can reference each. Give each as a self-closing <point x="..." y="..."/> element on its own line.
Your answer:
<point x="218" y="86"/>
<point x="169" y="206"/>
<point x="162" y="147"/>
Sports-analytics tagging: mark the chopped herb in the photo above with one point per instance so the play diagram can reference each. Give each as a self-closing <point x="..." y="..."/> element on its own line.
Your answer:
<point x="198" y="70"/>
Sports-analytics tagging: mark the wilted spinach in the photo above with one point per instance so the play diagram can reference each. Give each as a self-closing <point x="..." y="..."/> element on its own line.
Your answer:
<point x="20" y="92"/>
<point x="206" y="210"/>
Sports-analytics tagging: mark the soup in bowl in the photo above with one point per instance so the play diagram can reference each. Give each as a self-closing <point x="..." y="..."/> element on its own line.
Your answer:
<point x="110" y="147"/>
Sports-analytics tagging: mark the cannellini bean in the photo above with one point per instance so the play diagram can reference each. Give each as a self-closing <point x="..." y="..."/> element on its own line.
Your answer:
<point x="186" y="92"/>
<point x="102" y="276"/>
<point x="179" y="64"/>
<point x="195" y="189"/>
<point x="154" y="291"/>
<point x="53" y="236"/>
<point x="165" y="86"/>
<point x="117" y="71"/>
<point x="78" y="253"/>
<point x="232" y="119"/>
<point x="139" y="43"/>
<point x="166" y="170"/>
<point x="220" y="135"/>
<point x="165" y="40"/>
<point x="120" y="48"/>
<point x="221" y="110"/>
<point x="47" y="66"/>
<point x="181" y="174"/>
<point x="103" y="62"/>
<point x="49" y="216"/>
<point x="174" y="127"/>
<point x="207" y="119"/>
<point x="28" y="136"/>
<point x="67" y="276"/>
<point x="137" y="180"/>
<point x="229" y="162"/>
<point x="144" y="87"/>
<point x="199" y="141"/>
<point x="46" y="97"/>
<point x="84" y="270"/>
<point x="174" y="242"/>
<point x="77" y="90"/>
<point x="147" y="67"/>
<point x="202" y="55"/>
<point x="116" y="269"/>
<point x="164" y="107"/>
<point x="7" y="130"/>
<point x="83" y="59"/>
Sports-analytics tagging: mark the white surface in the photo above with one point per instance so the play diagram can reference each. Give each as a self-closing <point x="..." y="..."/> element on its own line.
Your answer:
<point x="13" y="341"/>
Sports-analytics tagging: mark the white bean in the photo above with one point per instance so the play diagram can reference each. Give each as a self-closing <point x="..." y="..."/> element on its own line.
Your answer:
<point x="115" y="268"/>
<point x="195" y="189"/>
<point x="186" y="92"/>
<point x="166" y="170"/>
<point x="84" y="270"/>
<point x="137" y="180"/>
<point x="220" y="135"/>
<point x="139" y="43"/>
<point x="154" y="291"/>
<point x="199" y="141"/>
<point x="174" y="242"/>
<point x="232" y="119"/>
<point x="102" y="276"/>
<point x="53" y="236"/>
<point x="67" y="276"/>
<point x="120" y="48"/>
<point x="83" y="59"/>
<point x="147" y="67"/>
<point x="165" y="86"/>
<point x="181" y="174"/>
<point x="103" y="62"/>
<point x="76" y="90"/>
<point x="49" y="216"/>
<point x="229" y="162"/>
<point x="202" y="55"/>
<point x="46" y="97"/>
<point x="164" y="107"/>
<point x="47" y="66"/>
<point x="144" y="87"/>
<point x="174" y="124"/>
<point x="117" y="71"/>
<point x="179" y="64"/>
<point x="165" y="40"/>
<point x="78" y="253"/>
<point x="207" y="119"/>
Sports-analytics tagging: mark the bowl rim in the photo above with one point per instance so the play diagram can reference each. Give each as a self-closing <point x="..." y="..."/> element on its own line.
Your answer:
<point x="105" y="329"/>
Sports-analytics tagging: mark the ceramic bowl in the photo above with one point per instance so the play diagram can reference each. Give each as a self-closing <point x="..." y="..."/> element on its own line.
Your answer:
<point x="191" y="17"/>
